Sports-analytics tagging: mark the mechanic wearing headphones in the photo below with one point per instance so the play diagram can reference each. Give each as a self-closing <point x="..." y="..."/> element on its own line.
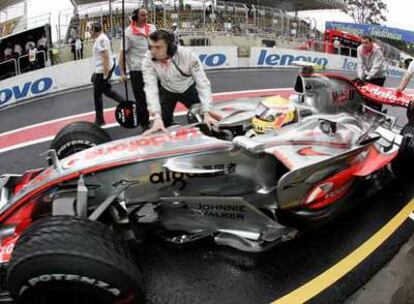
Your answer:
<point x="181" y="77"/>
<point x="136" y="46"/>
<point x="104" y="67"/>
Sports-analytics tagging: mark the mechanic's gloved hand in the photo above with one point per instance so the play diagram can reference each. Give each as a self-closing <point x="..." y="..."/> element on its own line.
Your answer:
<point x="157" y="125"/>
<point x="211" y="118"/>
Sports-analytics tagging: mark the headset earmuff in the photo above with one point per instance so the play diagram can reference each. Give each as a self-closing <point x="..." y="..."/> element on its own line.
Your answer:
<point x="135" y="14"/>
<point x="172" y="45"/>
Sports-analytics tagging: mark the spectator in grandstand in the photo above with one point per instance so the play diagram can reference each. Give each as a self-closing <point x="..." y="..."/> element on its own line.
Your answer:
<point x="17" y="50"/>
<point x="371" y="62"/>
<point x="407" y="78"/>
<point x="103" y="69"/>
<point x="181" y="77"/>
<point x="8" y="52"/>
<point x="33" y="62"/>
<point x="136" y="46"/>
<point x="42" y="43"/>
<point x="29" y="44"/>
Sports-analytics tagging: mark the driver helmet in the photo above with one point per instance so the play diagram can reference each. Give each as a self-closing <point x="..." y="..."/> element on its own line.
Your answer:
<point x="273" y="113"/>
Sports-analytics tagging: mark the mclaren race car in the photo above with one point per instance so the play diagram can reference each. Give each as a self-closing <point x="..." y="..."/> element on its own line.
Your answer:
<point x="64" y="228"/>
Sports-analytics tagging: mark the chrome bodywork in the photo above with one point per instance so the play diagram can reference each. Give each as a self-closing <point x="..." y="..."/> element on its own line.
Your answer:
<point x="198" y="185"/>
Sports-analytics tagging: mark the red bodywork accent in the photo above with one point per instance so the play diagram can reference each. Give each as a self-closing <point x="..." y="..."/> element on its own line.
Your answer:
<point x="309" y="151"/>
<point x="6" y="249"/>
<point x="376" y="93"/>
<point x="20" y="221"/>
<point x="386" y="96"/>
<point x="335" y="187"/>
<point x="26" y="178"/>
<point x="339" y="185"/>
<point x="373" y="162"/>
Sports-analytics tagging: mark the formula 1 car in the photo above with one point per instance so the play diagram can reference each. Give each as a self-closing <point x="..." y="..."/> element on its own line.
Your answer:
<point x="63" y="229"/>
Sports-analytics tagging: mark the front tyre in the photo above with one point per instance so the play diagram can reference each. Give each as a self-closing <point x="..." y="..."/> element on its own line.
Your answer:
<point x="65" y="259"/>
<point x="78" y="136"/>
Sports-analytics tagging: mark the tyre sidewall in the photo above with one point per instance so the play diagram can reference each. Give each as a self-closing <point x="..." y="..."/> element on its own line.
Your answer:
<point x="68" y="272"/>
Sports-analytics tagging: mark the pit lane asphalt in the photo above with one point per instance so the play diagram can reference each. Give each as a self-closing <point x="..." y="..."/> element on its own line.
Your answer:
<point x="205" y="273"/>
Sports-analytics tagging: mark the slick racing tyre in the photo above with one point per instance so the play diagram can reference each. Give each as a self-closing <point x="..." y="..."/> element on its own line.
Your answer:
<point x="403" y="162"/>
<point x="65" y="259"/>
<point x="78" y="136"/>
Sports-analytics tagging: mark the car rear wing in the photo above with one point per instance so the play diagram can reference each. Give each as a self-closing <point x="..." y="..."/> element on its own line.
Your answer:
<point x="385" y="96"/>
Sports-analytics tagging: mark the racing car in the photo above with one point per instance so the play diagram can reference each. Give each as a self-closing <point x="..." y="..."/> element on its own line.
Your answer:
<point x="64" y="228"/>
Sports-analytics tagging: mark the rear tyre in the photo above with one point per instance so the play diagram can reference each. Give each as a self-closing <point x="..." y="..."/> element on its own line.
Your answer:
<point x="78" y="136"/>
<point x="403" y="162"/>
<point x="64" y="259"/>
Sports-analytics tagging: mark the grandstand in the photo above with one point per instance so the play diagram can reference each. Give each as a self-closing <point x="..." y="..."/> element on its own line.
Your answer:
<point x="195" y="17"/>
<point x="243" y="23"/>
<point x="7" y="27"/>
<point x="24" y="43"/>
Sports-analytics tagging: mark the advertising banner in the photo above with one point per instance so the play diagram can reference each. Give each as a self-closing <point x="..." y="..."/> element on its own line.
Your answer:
<point x="76" y="74"/>
<point x="283" y="58"/>
<point x="372" y="30"/>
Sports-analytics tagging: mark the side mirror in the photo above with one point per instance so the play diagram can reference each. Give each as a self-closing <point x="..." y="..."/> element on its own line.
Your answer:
<point x="365" y="139"/>
<point x="328" y="127"/>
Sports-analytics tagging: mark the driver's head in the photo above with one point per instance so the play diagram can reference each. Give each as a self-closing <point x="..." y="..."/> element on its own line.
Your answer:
<point x="273" y="113"/>
<point x="367" y="43"/>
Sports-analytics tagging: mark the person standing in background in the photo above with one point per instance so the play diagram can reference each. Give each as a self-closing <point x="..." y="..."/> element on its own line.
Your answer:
<point x="408" y="75"/>
<point x="29" y="45"/>
<point x="173" y="73"/>
<point x="8" y="52"/>
<point x="371" y="62"/>
<point x="17" y="50"/>
<point x="136" y="46"/>
<point x="42" y="43"/>
<point x="78" y="47"/>
<point x="103" y="69"/>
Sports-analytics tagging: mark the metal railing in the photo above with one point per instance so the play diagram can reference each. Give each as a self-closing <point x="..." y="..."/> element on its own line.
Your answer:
<point x="19" y="65"/>
<point x="10" y="72"/>
<point x="13" y="66"/>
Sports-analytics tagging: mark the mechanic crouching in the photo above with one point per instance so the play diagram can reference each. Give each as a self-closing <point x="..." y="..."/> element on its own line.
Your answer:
<point x="371" y="62"/>
<point x="173" y="73"/>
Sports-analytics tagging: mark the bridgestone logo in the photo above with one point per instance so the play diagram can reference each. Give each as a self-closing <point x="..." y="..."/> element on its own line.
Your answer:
<point x="71" y="278"/>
